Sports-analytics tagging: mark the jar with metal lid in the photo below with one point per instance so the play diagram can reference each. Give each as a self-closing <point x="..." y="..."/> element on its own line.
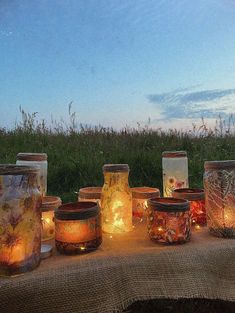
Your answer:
<point x="78" y="227"/>
<point x="49" y="204"/>
<point x="140" y="196"/>
<point x="90" y="194"/>
<point x="20" y="219"/>
<point x="168" y="220"/>
<point x="175" y="171"/>
<point x="38" y="160"/>
<point x="196" y="198"/>
<point x="116" y="199"/>
<point x="219" y="183"/>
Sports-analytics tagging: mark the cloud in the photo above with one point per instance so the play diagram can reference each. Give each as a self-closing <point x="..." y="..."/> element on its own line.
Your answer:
<point x="181" y="103"/>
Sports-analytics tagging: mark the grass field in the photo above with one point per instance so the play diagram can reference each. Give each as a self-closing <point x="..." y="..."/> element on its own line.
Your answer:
<point x="76" y="154"/>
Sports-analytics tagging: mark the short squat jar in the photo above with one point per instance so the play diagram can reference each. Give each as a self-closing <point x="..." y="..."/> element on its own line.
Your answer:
<point x="39" y="160"/>
<point x="175" y="171"/>
<point x="219" y="183"/>
<point x="116" y="199"/>
<point x="78" y="227"/>
<point x="196" y="198"/>
<point x="90" y="194"/>
<point x="168" y="220"/>
<point x="20" y="220"/>
<point x="49" y="204"/>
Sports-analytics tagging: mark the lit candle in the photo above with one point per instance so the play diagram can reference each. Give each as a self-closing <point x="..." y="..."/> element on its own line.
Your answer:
<point x="49" y="204"/>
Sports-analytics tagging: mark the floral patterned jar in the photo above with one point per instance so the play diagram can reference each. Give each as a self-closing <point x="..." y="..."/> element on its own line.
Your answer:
<point x="219" y="183"/>
<point x="90" y="194"/>
<point x="116" y="199"/>
<point x="175" y="171"/>
<point x="78" y="227"/>
<point x="39" y="160"/>
<point x="168" y="220"/>
<point x="196" y="198"/>
<point x="49" y="204"/>
<point x="20" y="220"/>
<point x="140" y="196"/>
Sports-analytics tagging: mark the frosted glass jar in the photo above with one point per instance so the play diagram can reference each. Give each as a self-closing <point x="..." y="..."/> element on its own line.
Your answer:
<point x="219" y="183"/>
<point x="175" y="171"/>
<point x="116" y="199"/>
<point x="20" y="220"/>
<point x="38" y="160"/>
<point x="90" y="194"/>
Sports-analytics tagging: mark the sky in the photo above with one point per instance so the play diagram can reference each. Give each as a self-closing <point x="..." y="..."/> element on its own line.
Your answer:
<point x="120" y="62"/>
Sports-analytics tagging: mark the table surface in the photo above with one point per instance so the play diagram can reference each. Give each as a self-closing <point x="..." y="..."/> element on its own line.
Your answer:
<point x="126" y="268"/>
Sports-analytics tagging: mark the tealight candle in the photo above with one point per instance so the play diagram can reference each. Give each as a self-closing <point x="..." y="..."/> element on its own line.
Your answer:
<point x="90" y="194"/>
<point x="78" y="227"/>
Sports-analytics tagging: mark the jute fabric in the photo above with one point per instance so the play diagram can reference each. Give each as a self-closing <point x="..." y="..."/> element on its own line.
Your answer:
<point x="126" y="268"/>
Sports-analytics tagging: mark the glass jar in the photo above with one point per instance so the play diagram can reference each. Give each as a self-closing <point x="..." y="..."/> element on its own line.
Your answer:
<point x="140" y="195"/>
<point x="196" y="198"/>
<point x="168" y="220"/>
<point x="20" y="220"/>
<point x="49" y="204"/>
<point x="175" y="171"/>
<point x="90" y="194"/>
<point x="78" y="227"/>
<point x="116" y="199"/>
<point x="38" y="160"/>
<point x="219" y="183"/>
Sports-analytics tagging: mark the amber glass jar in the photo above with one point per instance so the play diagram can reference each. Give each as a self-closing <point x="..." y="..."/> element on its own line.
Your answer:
<point x="175" y="171"/>
<point x="90" y="194"/>
<point x="168" y="220"/>
<point x="39" y="160"/>
<point x="196" y="198"/>
<point x="78" y="227"/>
<point x="140" y="196"/>
<point x="219" y="183"/>
<point x="20" y="220"/>
<point x="49" y="204"/>
<point x="116" y="199"/>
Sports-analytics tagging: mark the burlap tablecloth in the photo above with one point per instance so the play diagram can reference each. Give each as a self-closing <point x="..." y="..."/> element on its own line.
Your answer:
<point x="124" y="269"/>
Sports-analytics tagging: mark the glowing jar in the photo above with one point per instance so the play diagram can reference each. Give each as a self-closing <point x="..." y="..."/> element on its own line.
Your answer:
<point x="140" y="196"/>
<point x="20" y="220"/>
<point x="168" y="220"/>
<point x="49" y="204"/>
<point x="175" y="171"/>
<point x="39" y="160"/>
<point x="78" y="227"/>
<point x="219" y="183"/>
<point x="196" y="198"/>
<point x="90" y="194"/>
<point x="116" y="199"/>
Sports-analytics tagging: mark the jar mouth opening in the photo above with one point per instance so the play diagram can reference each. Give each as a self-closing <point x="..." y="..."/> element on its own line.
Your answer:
<point x="50" y="202"/>
<point x="13" y="169"/>
<point x="189" y="193"/>
<point x="169" y="204"/>
<point x="77" y="210"/>
<point x="26" y="156"/>
<point x="115" y="168"/>
<point x="174" y="154"/>
<point x="145" y="192"/>
<point x="219" y="164"/>
<point x="90" y="192"/>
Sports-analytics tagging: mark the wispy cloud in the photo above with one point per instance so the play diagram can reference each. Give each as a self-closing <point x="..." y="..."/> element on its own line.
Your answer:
<point x="204" y="103"/>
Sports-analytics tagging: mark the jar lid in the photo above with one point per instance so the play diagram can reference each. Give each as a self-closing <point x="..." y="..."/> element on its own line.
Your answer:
<point x="169" y="204"/>
<point x="13" y="169"/>
<point x="189" y="194"/>
<point x="50" y="203"/>
<point x="90" y="192"/>
<point x="77" y="210"/>
<point x="174" y="154"/>
<point x="145" y="192"/>
<point x="219" y="164"/>
<point x="116" y="168"/>
<point x="31" y="156"/>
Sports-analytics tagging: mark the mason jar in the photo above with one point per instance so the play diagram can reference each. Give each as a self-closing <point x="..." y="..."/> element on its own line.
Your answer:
<point x="175" y="171"/>
<point x="20" y="219"/>
<point x="90" y="194"/>
<point x="39" y="160"/>
<point x="219" y="183"/>
<point x="116" y="199"/>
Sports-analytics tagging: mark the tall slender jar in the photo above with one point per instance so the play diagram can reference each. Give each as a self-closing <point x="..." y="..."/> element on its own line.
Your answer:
<point x="38" y="160"/>
<point x="219" y="183"/>
<point x="175" y="171"/>
<point x="116" y="199"/>
<point x="20" y="220"/>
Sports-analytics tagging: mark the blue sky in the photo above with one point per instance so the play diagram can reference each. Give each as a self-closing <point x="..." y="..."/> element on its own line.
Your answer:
<point x="119" y="62"/>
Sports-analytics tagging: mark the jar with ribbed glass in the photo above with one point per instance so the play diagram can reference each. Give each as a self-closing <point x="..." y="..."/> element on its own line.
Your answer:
<point x="175" y="171"/>
<point x="20" y="219"/>
<point x="116" y="199"/>
<point x="219" y="183"/>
